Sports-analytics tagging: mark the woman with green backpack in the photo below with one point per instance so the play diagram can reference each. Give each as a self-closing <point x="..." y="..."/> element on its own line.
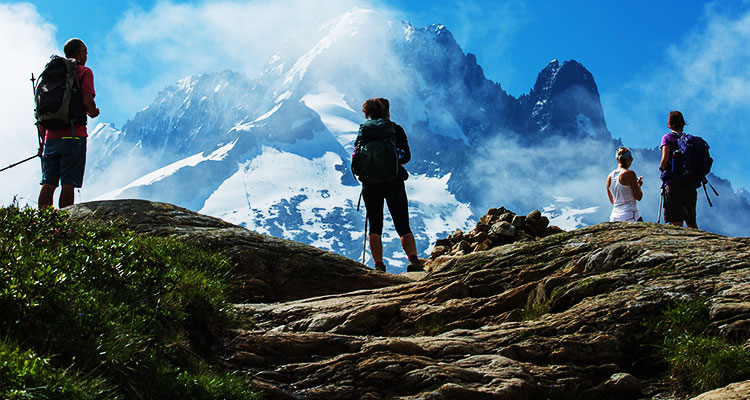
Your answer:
<point x="380" y="151"/>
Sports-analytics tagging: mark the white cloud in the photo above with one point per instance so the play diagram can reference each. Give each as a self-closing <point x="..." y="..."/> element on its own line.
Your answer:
<point x="26" y="41"/>
<point x="150" y="49"/>
<point x="706" y="76"/>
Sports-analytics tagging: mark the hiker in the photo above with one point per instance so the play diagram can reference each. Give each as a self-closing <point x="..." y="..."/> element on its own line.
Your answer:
<point x="680" y="195"/>
<point x="385" y="144"/>
<point x="63" y="152"/>
<point x="624" y="189"/>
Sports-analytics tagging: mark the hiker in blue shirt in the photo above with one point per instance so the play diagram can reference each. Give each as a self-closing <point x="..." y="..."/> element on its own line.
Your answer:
<point x="381" y="150"/>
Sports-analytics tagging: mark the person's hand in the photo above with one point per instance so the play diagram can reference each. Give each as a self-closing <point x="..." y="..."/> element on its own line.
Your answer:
<point x="640" y="181"/>
<point x="95" y="113"/>
<point x="39" y="151"/>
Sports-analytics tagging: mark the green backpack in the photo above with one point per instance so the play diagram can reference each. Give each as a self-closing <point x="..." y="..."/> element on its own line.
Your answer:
<point x="375" y="159"/>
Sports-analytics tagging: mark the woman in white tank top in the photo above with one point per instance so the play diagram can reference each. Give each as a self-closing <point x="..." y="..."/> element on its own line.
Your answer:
<point x="624" y="189"/>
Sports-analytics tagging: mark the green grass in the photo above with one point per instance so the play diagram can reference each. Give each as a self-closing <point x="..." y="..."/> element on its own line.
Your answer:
<point x="431" y="326"/>
<point x="92" y="312"/>
<point x="535" y="309"/>
<point x="697" y="357"/>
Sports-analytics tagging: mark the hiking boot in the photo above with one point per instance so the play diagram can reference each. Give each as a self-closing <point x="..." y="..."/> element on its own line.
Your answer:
<point x="380" y="267"/>
<point x="415" y="265"/>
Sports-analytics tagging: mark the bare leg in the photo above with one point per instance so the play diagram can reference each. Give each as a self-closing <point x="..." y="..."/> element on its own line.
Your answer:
<point x="409" y="245"/>
<point x="46" y="195"/>
<point x="67" y="196"/>
<point x="376" y="247"/>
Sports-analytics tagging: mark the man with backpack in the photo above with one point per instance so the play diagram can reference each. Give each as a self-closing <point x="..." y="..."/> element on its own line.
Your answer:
<point x="64" y="97"/>
<point x="684" y="164"/>
<point x="381" y="149"/>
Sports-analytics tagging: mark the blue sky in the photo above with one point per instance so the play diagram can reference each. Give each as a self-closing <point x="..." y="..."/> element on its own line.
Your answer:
<point x="647" y="57"/>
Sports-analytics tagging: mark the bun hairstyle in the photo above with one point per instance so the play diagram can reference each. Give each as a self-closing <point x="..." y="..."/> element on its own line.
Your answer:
<point x="623" y="154"/>
<point x="376" y="108"/>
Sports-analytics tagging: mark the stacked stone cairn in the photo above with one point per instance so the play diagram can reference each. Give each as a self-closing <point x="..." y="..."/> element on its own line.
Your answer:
<point x="496" y="228"/>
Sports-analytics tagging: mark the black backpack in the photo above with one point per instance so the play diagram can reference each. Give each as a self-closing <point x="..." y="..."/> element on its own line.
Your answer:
<point x="58" y="99"/>
<point x="375" y="159"/>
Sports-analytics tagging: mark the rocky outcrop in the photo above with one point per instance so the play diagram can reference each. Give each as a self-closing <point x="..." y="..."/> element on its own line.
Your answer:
<point x="267" y="268"/>
<point x="557" y="318"/>
<point x="735" y="391"/>
<point x="496" y="228"/>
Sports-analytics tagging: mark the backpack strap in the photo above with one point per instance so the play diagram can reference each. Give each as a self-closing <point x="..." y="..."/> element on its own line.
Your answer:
<point x="77" y="91"/>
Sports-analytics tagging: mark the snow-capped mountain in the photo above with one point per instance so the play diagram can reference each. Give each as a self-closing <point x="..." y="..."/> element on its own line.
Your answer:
<point x="273" y="153"/>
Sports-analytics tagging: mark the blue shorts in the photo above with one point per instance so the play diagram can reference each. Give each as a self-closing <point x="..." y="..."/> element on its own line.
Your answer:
<point x="64" y="161"/>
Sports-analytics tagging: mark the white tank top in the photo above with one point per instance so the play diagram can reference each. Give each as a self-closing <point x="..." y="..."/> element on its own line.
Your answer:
<point x="624" y="206"/>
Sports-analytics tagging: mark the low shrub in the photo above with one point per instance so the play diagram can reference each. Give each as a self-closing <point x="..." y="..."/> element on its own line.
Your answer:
<point x="697" y="357"/>
<point x="137" y="314"/>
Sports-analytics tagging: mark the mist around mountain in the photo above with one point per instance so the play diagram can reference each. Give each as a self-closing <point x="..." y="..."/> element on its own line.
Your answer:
<point x="272" y="153"/>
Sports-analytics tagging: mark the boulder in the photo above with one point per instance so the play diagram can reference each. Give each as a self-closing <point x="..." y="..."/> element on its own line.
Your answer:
<point x="503" y="229"/>
<point x="518" y="221"/>
<point x="438" y="251"/>
<point x="734" y="391"/>
<point x="534" y="215"/>
<point x="552" y="230"/>
<point x="507" y="217"/>
<point x="267" y="268"/>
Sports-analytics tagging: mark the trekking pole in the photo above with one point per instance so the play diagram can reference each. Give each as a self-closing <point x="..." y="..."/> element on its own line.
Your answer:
<point x="661" y="198"/>
<point x="40" y="136"/>
<point x="364" y="239"/>
<point x="364" y="242"/>
<point x="20" y="162"/>
<point x="705" y="181"/>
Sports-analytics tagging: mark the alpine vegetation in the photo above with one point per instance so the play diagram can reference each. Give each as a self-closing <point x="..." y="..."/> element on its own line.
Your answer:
<point x="90" y="312"/>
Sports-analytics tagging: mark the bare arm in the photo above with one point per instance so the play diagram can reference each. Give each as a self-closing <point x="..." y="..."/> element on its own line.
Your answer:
<point x="90" y="105"/>
<point x="40" y="132"/>
<point x="628" y="179"/>
<point x="611" y="199"/>
<point x="666" y="154"/>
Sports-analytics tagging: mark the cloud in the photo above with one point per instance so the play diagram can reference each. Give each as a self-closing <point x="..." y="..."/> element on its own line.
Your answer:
<point x="706" y="76"/>
<point x="150" y="49"/>
<point x="523" y="178"/>
<point x="28" y="41"/>
<point x="566" y="180"/>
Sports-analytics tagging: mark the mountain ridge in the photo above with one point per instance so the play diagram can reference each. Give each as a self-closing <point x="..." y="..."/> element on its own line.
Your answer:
<point x="473" y="144"/>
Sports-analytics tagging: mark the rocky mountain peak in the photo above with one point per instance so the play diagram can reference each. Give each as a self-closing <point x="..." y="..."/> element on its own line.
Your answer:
<point x="556" y="78"/>
<point x="188" y="113"/>
<point x="565" y="101"/>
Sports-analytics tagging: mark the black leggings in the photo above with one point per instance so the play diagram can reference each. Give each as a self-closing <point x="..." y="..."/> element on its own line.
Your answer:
<point x="394" y="194"/>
